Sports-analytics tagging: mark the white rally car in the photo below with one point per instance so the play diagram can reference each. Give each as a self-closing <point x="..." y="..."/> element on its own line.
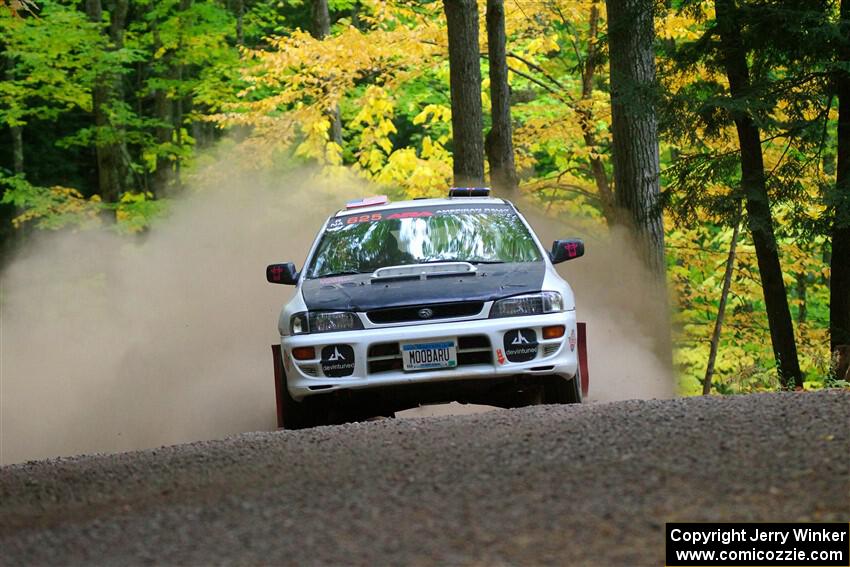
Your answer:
<point x="426" y="301"/>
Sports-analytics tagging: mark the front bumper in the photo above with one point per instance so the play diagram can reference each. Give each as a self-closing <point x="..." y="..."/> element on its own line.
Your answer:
<point x="477" y="358"/>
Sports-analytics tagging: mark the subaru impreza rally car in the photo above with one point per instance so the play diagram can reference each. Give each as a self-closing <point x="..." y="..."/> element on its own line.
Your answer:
<point x="426" y="301"/>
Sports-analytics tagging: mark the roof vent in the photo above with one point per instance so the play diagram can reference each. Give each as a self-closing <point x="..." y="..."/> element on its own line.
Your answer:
<point x="367" y="202"/>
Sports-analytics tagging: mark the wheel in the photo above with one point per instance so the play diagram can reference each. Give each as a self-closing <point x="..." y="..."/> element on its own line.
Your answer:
<point x="511" y="396"/>
<point x="311" y="412"/>
<point x="292" y="414"/>
<point x="560" y="390"/>
<point x="301" y="415"/>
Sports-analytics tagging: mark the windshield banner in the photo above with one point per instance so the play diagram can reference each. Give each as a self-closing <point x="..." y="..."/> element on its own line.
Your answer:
<point x="337" y="223"/>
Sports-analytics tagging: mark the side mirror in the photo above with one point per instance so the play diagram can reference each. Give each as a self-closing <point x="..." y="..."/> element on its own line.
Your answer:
<point x="282" y="273"/>
<point x="563" y="250"/>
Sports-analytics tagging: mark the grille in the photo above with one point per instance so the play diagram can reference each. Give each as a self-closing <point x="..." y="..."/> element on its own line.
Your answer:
<point x="384" y="357"/>
<point x="411" y="312"/>
<point x="473" y="342"/>
<point x="474" y="349"/>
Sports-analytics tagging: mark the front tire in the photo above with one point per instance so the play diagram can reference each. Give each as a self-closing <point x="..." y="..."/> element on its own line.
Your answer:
<point x="311" y="412"/>
<point x="560" y="390"/>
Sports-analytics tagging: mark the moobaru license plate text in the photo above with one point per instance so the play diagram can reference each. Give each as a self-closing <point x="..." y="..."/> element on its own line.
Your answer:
<point x="417" y="356"/>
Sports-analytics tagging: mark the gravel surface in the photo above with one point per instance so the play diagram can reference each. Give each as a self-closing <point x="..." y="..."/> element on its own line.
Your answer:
<point x="586" y="485"/>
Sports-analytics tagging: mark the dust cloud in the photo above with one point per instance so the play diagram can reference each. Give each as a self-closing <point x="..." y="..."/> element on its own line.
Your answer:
<point x="110" y="344"/>
<point x="628" y="326"/>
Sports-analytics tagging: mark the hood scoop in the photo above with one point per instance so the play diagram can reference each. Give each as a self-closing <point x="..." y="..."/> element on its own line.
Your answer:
<point x="424" y="271"/>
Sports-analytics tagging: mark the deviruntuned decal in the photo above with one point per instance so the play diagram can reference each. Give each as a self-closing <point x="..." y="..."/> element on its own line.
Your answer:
<point x="337" y="361"/>
<point x="521" y="345"/>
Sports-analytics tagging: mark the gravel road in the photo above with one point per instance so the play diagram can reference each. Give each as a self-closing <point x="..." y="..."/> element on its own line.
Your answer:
<point x="586" y="485"/>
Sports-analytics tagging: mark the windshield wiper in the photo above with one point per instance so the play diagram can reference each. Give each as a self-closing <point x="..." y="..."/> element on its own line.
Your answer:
<point x="336" y="274"/>
<point x="455" y="261"/>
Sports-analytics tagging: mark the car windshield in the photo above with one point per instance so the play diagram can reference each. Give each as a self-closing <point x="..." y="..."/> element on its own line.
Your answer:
<point x="362" y="243"/>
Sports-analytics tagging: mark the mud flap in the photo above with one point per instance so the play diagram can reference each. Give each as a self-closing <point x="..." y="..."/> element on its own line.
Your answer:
<point x="582" y="358"/>
<point x="279" y="382"/>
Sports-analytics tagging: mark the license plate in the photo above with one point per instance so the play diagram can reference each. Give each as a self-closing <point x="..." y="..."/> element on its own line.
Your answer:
<point x="429" y="355"/>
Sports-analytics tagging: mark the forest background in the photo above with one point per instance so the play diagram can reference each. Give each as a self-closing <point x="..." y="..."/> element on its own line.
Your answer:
<point x="111" y="106"/>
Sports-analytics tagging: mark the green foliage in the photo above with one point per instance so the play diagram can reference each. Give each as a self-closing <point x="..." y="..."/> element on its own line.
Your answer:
<point x="50" y="208"/>
<point x="136" y="212"/>
<point x="55" y="208"/>
<point x="55" y="58"/>
<point x="51" y="60"/>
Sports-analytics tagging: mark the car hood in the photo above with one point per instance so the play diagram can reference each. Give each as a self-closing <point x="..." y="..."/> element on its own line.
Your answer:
<point x="362" y="293"/>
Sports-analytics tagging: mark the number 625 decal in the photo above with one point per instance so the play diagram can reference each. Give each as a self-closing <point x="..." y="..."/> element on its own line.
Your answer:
<point x="364" y="218"/>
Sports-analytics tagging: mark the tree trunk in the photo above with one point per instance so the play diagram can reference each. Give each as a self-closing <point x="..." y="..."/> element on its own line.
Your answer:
<point x="587" y="122"/>
<point x="634" y="126"/>
<point x="355" y="16"/>
<point x="839" y="285"/>
<point x="178" y="125"/>
<point x="163" y="111"/>
<point x="16" y="132"/>
<point x="336" y="126"/>
<point x="802" y="288"/>
<point x="17" y="149"/>
<point x="185" y="5"/>
<point x="321" y="19"/>
<point x="760" y="218"/>
<point x="109" y="139"/>
<point x="321" y="28"/>
<point x="465" y="83"/>
<point x="240" y="17"/>
<point x="721" y="309"/>
<point x="499" y="141"/>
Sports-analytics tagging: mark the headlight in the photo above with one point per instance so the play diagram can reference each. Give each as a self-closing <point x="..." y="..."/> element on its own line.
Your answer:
<point x="531" y="304"/>
<point x="324" y="322"/>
